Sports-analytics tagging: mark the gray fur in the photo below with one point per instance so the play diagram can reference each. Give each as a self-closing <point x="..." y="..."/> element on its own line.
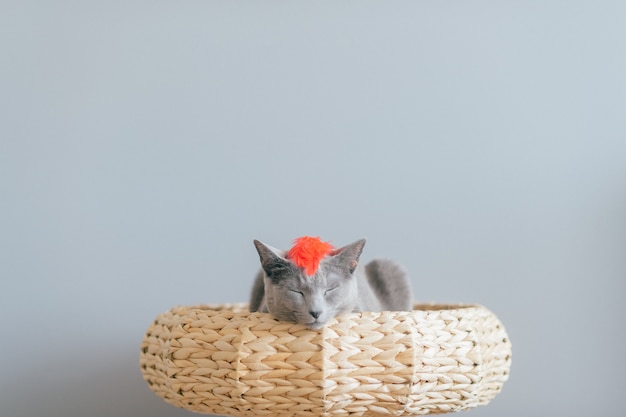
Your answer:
<point x="339" y="286"/>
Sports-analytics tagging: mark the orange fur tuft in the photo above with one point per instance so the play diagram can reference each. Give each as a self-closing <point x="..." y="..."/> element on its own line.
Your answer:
<point x="307" y="252"/>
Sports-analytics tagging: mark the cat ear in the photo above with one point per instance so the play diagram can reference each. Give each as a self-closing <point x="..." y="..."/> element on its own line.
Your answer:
<point x="348" y="256"/>
<point x="272" y="261"/>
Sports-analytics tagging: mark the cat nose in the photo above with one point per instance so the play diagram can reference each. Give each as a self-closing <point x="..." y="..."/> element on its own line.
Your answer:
<point x="315" y="314"/>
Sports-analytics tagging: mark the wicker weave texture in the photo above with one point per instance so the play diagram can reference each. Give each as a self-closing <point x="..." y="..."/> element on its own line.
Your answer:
<point x="222" y="359"/>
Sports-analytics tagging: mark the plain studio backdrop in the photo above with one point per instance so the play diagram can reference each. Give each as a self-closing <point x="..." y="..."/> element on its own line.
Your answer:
<point x="144" y="145"/>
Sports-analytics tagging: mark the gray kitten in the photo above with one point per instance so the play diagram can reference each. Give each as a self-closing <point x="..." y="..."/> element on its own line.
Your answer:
<point x="339" y="286"/>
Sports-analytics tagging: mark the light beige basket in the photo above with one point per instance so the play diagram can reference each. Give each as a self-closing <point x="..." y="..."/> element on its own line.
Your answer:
<point x="222" y="359"/>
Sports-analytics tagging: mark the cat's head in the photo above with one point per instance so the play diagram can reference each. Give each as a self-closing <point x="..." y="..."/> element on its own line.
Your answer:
<point x="292" y="295"/>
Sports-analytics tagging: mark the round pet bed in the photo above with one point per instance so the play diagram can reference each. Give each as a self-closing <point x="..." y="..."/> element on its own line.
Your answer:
<point x="222" y="359"/>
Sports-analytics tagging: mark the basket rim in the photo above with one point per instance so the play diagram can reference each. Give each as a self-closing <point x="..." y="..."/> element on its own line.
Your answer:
<point x="242" y="307"/>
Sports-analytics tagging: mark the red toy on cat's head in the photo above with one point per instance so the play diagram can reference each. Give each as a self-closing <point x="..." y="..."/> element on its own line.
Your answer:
<point x="307" y="252"/>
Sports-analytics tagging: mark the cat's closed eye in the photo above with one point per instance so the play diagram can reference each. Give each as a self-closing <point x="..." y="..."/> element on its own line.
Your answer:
<point x="297" y="292"/>
<point x="330" y="290"/>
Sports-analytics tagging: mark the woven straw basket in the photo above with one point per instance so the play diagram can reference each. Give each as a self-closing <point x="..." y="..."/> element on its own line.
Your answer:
<point x="222" y="359"/>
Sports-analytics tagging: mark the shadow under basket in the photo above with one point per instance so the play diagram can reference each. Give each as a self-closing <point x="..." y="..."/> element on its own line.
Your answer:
<point x="222" y="359"/>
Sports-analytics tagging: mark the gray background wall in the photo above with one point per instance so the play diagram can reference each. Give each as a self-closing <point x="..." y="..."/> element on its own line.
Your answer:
<point x="143" y="145"/>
